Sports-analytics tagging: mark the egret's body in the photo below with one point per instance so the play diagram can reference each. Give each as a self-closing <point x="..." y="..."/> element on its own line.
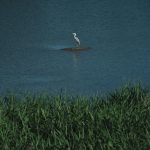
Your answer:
<point x="76" y="39"/>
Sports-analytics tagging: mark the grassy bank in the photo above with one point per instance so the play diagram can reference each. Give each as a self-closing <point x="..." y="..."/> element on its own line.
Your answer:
<point x="118" y="121"/>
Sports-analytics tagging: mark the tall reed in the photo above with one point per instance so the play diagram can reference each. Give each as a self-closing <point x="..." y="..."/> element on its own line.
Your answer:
<point x="120" y="120"/>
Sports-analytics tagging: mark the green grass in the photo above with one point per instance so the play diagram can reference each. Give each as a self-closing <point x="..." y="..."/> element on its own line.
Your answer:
<point x="117" y="121"/>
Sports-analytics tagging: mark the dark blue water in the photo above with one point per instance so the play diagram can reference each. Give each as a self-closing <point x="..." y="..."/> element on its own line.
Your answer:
<point x="33" y="32"/>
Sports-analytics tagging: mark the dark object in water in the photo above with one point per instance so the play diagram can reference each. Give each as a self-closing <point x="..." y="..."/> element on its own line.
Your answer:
<point x="5" y="102"/>
<point x="76" y="48"/>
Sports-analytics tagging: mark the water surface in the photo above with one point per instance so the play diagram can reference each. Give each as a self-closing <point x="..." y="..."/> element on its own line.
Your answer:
<point x="33" y="32"/>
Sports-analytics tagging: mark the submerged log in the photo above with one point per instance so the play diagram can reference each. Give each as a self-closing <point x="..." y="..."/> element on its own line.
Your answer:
<point x="76" y="48"/>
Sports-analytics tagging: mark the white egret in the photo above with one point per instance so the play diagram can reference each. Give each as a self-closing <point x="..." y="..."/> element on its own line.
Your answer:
<point x="76" y="39"/>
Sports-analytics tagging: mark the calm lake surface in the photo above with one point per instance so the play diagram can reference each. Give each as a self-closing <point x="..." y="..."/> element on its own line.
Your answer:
<point x="32" y="34"/>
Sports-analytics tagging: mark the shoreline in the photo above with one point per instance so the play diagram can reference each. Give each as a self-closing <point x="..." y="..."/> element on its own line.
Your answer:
<point x="118" y="120"/>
